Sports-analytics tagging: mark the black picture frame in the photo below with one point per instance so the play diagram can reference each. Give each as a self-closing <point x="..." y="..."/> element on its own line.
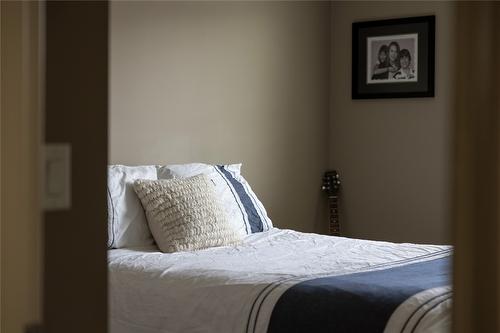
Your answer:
<point x="409" y="82"/>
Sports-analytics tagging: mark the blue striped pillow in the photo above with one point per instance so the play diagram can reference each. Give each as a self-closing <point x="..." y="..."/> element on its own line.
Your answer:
<point x="243" y="208"/>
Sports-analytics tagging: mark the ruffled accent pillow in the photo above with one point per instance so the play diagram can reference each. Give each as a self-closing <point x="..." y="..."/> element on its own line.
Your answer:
<point x="242" y="206"/>
<point x="184" y="214"/>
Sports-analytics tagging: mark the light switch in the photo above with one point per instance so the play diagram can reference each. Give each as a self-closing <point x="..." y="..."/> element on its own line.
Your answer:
<point x="57" y="189"/>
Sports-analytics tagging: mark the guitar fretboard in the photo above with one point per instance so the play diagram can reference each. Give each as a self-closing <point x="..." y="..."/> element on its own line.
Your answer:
<point x="334" y="215"/>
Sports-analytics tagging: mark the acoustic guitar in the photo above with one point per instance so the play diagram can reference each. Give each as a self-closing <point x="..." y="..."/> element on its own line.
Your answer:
<point x="331" y="185"/>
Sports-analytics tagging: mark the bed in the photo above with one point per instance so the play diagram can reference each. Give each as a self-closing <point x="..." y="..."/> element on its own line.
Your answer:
<point x="282" y="281"/>
<point x="192" y="249"/>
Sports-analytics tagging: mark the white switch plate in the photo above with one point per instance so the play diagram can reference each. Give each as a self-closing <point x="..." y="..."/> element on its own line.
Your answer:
<point x="57" y="189"/>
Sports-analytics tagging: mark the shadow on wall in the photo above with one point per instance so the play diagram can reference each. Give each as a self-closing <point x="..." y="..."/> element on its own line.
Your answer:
<point x="225" y="82"/>
<point x="394" y="155"/>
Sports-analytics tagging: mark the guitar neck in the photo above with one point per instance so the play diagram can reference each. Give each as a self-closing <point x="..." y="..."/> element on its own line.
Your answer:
<point x="334" y="215"/>
<point x="331" y="185"/>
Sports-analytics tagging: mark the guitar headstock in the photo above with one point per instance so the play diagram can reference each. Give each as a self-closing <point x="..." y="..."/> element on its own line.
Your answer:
<point x="331" y="183"/>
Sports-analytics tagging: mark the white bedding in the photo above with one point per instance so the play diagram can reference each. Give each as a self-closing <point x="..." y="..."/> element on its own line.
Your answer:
<point x="219" y="289"/>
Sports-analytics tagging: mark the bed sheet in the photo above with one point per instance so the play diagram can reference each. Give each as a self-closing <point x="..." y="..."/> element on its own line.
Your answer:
<point x="221" y="289"/>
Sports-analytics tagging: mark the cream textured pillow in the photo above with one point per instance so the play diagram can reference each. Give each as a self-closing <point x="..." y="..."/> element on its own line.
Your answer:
<point x="184" y="214"/>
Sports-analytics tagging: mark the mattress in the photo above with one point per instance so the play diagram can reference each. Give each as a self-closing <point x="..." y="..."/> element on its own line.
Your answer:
<point x="236" y="289"/>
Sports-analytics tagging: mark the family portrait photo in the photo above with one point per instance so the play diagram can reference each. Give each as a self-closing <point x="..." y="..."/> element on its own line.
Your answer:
<point x="392" y="59"/>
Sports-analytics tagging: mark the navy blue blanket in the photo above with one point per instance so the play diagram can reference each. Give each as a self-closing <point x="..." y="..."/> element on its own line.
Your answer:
<point x="360" y="302"/>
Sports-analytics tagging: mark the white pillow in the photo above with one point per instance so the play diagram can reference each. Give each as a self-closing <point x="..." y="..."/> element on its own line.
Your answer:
<point x="185" y="214"/>
<point x="243" y="208"/>
<point x="127" y="224"/>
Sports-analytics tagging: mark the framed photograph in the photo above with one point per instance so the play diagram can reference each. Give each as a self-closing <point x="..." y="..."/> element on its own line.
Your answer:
<point x="393" y="58"/>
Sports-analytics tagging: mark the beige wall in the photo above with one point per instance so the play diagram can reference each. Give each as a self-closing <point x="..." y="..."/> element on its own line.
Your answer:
<point x="226" y="82"/>
<point x="20" y="119"/>
<point x="393" y="154"/>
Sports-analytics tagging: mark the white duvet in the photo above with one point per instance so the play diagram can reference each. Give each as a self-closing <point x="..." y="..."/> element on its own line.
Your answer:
<point x="220" y="289"/>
